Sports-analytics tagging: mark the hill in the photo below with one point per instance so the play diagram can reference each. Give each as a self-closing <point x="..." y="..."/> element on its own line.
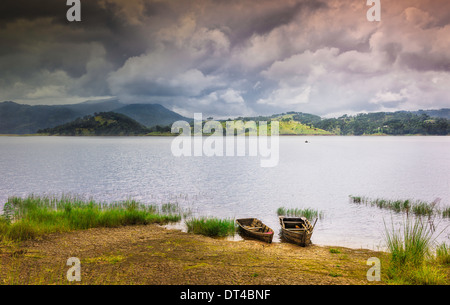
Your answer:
<point x="429" y="122"/>
<point x="387" y="123"/>
<point x="99" y="124"/>
<point x="287" y="125"/>
<point x="151" y="114"/>
<point x="26" y="119"/>
<point x="90" y="107"/>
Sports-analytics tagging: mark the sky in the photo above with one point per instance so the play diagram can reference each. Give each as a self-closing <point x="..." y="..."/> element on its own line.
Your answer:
<point x="228" y="58"/>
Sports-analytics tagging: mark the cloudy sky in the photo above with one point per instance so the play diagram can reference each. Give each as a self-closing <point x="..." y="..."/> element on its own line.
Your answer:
<point x="229" y="57"/>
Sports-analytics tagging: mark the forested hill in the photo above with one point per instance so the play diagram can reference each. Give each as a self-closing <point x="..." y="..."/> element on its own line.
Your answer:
<point x="99" y="124"/>
<point x="378" y="123"/>
<point x="389" y="123"/>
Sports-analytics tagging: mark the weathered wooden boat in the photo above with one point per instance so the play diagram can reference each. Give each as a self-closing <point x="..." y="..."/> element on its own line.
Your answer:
<point x="254" y="228"/>
<point x="297" y="230"/>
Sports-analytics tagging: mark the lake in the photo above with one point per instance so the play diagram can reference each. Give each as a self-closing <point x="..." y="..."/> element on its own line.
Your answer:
<point x="320" y="174"/>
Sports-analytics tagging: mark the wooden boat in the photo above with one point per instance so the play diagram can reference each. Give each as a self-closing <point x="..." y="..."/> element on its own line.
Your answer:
<point x="297" y="230"/>
<point x="254" y="228"/>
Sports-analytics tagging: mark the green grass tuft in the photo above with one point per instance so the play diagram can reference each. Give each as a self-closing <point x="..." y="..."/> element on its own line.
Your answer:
<point x="446" y="212"/>
<point x="411" y="260"/>
<point x="443" y="254"/>
<point x="210" y="226"/>
<point x="309" y="213"/>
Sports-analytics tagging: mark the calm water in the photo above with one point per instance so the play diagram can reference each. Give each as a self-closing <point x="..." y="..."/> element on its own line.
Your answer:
<point x="320" y="175"/>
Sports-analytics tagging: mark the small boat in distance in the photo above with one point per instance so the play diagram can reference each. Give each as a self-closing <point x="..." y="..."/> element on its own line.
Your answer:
<point x="297" y="230"/>
<point x="254" y="228"/>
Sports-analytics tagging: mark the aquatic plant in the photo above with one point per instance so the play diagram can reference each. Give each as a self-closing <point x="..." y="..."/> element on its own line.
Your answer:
<point x="443" y="254"/>
<point x="410" y="254"/>
<point x="418" y="208"/>
<point x="309" y="213"/>
<point x="446" y="212"/>
<point x="211" y="226"/>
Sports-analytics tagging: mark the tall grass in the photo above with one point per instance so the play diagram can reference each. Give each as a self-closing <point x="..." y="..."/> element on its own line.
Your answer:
<point x="409" y="245"/>
<point x="411" y="255"/>
<point x="210" y="226"/>
<point x="443" y="254"/>
<point x="33" y="216"/>
<point x="309" y="213"/>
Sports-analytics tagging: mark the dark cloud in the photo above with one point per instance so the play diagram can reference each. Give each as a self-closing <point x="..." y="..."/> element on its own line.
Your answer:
<point x="229" y="57"/>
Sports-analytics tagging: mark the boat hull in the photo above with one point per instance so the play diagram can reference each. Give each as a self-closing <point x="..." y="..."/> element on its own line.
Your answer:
<point x="254" y="228"/>
<point x="296" y="230"/>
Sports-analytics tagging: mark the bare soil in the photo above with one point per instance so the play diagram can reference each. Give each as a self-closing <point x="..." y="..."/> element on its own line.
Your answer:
<point x="158" y="256"/>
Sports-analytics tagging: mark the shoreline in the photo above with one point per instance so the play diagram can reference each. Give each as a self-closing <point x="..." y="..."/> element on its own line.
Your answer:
<point x="154" y="254"/>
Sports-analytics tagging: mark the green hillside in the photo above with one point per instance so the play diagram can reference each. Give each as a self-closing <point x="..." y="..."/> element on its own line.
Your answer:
<point x="288" y="124"/>
<point x="386" y="123"/>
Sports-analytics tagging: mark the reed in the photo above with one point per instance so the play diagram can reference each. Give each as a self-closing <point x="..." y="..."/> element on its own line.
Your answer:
<point x="33" y="216"/>
<point x="410" y="254"/>
<point x="446" y="212"/>
<point x="443" y="254"/>
<point x="211" y="226"/>
<point x="418" y="208"/>
<point x="309" y="213"/>
<point x="410" y="245"/>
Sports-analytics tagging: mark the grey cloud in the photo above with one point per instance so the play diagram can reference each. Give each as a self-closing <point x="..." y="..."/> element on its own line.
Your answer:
<point x="201" y="55"/>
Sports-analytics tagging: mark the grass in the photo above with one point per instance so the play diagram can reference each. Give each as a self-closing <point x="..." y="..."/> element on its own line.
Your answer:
<point x="411" y="259"/>
<point x="309" y="213"/>
<point x="33" y="216"/>
<point x="443" y="254"/>
<point x="210" y="226"/>
<point x="418" y="208"/>
<point x="110" y="259"/>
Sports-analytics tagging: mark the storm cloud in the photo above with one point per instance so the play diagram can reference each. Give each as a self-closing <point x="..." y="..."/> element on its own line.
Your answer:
<point x="229" y="57"/>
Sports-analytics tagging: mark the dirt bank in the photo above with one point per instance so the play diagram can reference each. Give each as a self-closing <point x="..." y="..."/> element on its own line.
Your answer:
<point x="156" y="255"/>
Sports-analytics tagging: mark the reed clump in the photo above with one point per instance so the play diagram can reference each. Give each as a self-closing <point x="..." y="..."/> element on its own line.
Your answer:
<point x="443" y="254"/>
<point x="446" y="212"/>
<point x="211" y="226"/>
<point x="309" y="213"/>
<point x="412" y="259"/>
<point x="416" y="207"/>
<point x="33" y="216"/>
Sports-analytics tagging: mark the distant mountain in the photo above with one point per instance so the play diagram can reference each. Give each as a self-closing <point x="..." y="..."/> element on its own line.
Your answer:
<point x="151" y="114"/>
<point x="99" y="124"/>
<point x="90" y="107"/>
<point x="25" y="119"/>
